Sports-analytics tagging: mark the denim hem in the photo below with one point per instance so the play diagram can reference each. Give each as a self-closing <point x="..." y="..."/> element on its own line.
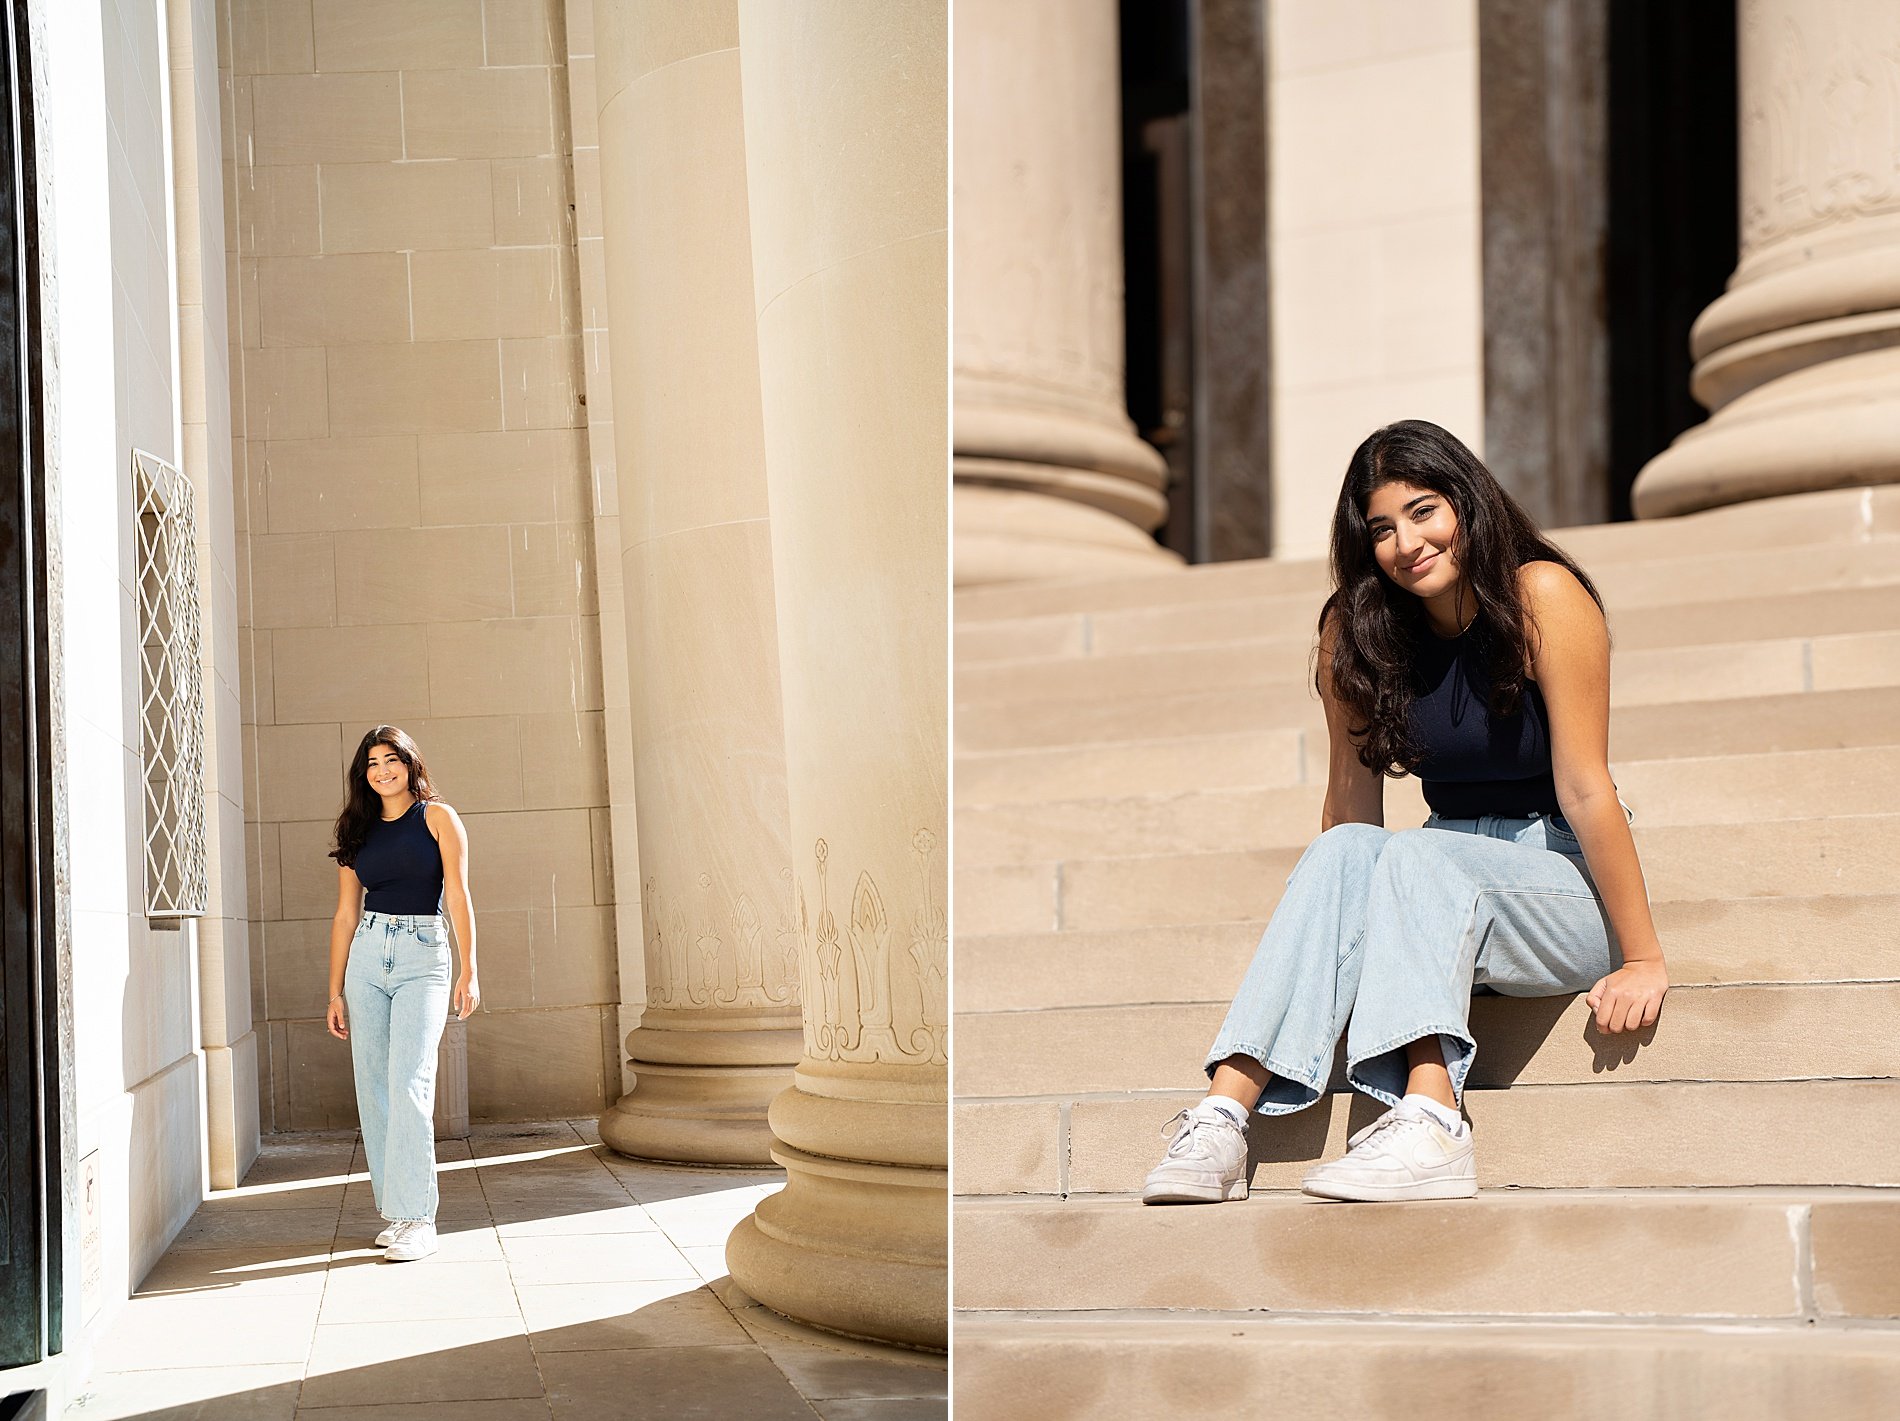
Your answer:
<point x="1263" y="1106"/>
<point x="1458" y="1070"/>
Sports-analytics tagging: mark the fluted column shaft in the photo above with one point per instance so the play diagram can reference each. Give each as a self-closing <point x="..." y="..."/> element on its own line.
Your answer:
<point x="721" y="1026"/>
<point x="1799" y="360"/>
<point x="846" y="146"/>
<point x="1051" y="478"/>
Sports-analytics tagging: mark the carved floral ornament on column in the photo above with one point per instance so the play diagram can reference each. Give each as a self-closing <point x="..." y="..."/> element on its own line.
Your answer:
<point x="882" y="986"/>
<point x="739" y="967"/>
<point x="1834" y="91"/>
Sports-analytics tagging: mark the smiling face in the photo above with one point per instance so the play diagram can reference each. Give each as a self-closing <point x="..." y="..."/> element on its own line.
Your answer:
<point x="1412" y="533"/>
<point x="387" y="774"/>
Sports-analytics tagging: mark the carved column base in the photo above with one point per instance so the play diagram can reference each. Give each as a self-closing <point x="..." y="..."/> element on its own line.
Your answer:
<point x="1827" y="426"/>
<point x="703" y="1088"/>
<point x="1015" y="535"/>
<point x="852" y="1244"/>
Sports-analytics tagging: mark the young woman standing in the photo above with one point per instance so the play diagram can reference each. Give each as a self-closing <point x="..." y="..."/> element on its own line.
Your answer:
<point x="400" y="853"/>
<point x="1461" y="646"/>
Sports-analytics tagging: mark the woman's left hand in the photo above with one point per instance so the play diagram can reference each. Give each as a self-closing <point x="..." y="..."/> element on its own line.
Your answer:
<point x="1630" y="998"/>
<point x="468" y="996"/>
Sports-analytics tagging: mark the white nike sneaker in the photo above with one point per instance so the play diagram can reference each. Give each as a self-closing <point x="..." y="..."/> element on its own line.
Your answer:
<point x="1404" y="1154"/>
<point x="1206" y="1161"/>
<point x="392" y="1233"/>
<point x="417" y="1240"/>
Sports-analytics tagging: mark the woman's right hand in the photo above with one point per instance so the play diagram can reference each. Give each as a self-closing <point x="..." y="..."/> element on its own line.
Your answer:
<point x="338" y="1021"/>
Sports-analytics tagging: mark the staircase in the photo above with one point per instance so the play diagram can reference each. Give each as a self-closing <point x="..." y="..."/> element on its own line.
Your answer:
<point x="1698" y="1220"/>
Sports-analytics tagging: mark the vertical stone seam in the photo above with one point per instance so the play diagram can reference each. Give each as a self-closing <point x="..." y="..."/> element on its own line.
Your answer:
<point x="1801" y="1231"/>
<point x="1807" y="665"/>
<point x="1062" y="1148"/>
<point x="1088" y="635"/>
<point x="1056" y="920"/>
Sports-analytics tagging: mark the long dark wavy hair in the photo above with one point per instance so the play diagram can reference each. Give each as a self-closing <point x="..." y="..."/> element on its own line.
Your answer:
<point x="1381" y="626"/>
<point x="362" y="806"/>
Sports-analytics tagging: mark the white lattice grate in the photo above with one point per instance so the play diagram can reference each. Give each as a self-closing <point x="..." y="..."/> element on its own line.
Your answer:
<point x="171" y="693"/>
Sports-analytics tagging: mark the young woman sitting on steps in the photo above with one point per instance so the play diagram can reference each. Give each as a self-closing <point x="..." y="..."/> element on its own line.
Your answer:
<point x="1461" y="646"/>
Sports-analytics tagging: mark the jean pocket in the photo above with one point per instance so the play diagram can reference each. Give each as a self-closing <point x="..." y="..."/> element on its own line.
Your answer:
<point x="1557" y="828"/>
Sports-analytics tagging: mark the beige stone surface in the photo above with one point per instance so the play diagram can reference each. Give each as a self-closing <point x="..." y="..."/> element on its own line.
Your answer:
<point x="316" y="675"/>
<point x="1520" y="1256"/>
<point x="1271" y="758"/>
<point x="327" y="118"/>
<point x="415" y="575"/>
<point x="306" y="301"/>
<point x="1014" y="1368"/>
<point x="1641" y="1136"/>
<point x="1009" y="1147"/>
<point x="512" y="291"/>
<point x="526" y="665"/>
<point x="1820" y="1030"/>
<point x="512" y="476"/>
<point x="286" y="395"/>
<point x="530" y="198"/>
<point x="1856" y="1249"/>
<point x="428" y="387"/>
<point x="420" y="34"/>
<point x="293" y="580"/>
<point x="327" y="485"/>
<point x="479" y="113"/>
<point x="538" y="1063"/>
<point x="378" y="207"/>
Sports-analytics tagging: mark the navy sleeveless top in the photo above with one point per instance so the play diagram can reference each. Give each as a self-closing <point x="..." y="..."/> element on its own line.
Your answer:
<point x="1475" y="762"/>
<point x="400" y="864"/>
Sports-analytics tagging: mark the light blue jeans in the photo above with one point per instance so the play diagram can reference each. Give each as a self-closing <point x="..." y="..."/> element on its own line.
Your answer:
<point x="397" y="988"/>
<point x="1392" y="931"/>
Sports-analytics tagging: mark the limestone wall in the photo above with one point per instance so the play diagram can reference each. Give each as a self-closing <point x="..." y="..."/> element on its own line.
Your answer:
<point x="1374" y="206"/>
<point x="417" y="513"/>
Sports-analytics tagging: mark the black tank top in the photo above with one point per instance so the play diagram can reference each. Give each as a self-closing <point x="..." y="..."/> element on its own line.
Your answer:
<point x="1475" y="762"/>
<point x="400" y="864"/>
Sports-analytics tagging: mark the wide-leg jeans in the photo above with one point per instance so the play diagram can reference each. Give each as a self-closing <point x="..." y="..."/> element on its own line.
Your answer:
<point x="397" y="988"/>
<point x="1385" y="934"/>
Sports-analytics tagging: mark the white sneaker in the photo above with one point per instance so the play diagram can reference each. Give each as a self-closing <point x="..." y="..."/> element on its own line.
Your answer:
<point x="1404" y="1154"/>
<point x="392" y="1233"/>
<point x="1206" y="1161"/>
<point x="417" y="1240"/>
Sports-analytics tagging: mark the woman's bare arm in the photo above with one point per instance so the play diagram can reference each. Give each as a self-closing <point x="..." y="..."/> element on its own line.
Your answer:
<point x="446" y="825"/>
<point x="349" y="911"/>
<point x="1354" y="794"/>
<point x="1571" y="663"/>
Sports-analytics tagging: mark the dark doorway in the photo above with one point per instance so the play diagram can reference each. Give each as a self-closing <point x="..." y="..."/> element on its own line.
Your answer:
<point x="31" y="1323"/>
<point x="1674" y="208"/>
<point x="1194" y="230"/>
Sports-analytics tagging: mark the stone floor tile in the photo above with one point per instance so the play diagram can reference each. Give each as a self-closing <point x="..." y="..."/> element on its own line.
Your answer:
<point x="527" y="1408"/>
<point x="703" y="1227"/>
<point x="312" y="1193"/>
<point x="243" y="1393"/>
<point x="209" y="1330"/>
<point x="261" y="1270"/>
<point x="526" y="1219"/>
<point x="710" y="1261"/>
<point x="304" y="1230"/>
<point x="678" y="1383"/>
<point x="372" y="1290"/>
<point x="588" y="1130"/>
<point x="373" y="1363"/>
<point x="654" y="1183"/>
<point x="903" y="1408"/>
<point x="819" y="1372"/>
<point x="597" y="1317"/>
<point x="594" y="1258"/>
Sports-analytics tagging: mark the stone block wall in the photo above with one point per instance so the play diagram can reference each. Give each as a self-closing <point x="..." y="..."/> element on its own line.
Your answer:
<point x="416" y="509"/>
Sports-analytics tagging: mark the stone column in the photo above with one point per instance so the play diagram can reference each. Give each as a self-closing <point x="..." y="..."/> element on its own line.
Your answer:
<point x="1051" y="479"/>
<point x="1799" y="360"/>
<point x="721" y="1026"/>
<point x="846" y="146"/>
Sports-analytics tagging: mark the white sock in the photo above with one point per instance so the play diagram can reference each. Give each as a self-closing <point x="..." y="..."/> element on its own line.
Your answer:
<point x="1232" y="1109"/>
<point x="1443" y="1114"/>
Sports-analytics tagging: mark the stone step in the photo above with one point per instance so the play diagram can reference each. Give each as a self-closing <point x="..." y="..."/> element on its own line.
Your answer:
<point x="1791" y="858"/>
<point x="1835" y="518"/>
<point x="1768" y="1254"/>
<point x="1684" y="673"/>
<point x="1133" y="1367"/>
<point x="1627" y="1136"/>
<point x="1710" y="941"/>
<point x="1729" y="1032"/>
<point x="1715" y="789"/>
<point x="1295" y="753"/>
<point x="1834" y="612"/>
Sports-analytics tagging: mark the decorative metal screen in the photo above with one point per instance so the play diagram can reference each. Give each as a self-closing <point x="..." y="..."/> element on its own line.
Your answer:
<point x="171" y="693"/>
